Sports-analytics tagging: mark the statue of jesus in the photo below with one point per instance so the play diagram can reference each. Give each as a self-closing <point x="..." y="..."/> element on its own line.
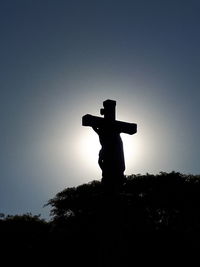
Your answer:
<point x="111" y="155"/>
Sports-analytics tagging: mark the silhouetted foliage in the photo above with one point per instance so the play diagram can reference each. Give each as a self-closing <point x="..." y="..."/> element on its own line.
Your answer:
<point x="168" y="201"/>
<point x="150" y="219"/>
<point x="23" y="238"/>
<point x="149" y="214"/>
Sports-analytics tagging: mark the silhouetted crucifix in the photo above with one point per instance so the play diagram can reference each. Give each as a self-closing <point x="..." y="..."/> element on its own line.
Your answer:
<point x="111" y="155"/>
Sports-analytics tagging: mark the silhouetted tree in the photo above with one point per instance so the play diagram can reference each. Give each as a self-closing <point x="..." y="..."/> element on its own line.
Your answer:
<point x="150" y="213"/>
<point x="24" y="238"/>
<point x="149" y="217"/>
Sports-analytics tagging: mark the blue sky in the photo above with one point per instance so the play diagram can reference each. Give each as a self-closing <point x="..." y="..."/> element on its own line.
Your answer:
<point x="61" y="59"/>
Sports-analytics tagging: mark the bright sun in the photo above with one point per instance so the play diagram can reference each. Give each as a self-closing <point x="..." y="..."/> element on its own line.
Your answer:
<point x="88" y="148"/>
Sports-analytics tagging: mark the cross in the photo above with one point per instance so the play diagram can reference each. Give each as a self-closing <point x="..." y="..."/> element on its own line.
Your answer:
<point x="111" y="155"/>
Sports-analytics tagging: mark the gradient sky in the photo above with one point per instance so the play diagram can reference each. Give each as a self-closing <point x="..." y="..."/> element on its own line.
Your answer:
<point x="61" y="59"/>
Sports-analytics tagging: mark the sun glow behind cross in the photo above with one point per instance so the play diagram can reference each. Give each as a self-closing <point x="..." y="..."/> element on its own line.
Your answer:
<point x="88" y="150"/>
<point x="132" y="152"/>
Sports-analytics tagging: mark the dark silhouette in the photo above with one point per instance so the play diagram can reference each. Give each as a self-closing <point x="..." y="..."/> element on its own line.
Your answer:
<point x="24" y="240"/>
<point x="111" y="155"/>
<point x="152" y="219"/>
